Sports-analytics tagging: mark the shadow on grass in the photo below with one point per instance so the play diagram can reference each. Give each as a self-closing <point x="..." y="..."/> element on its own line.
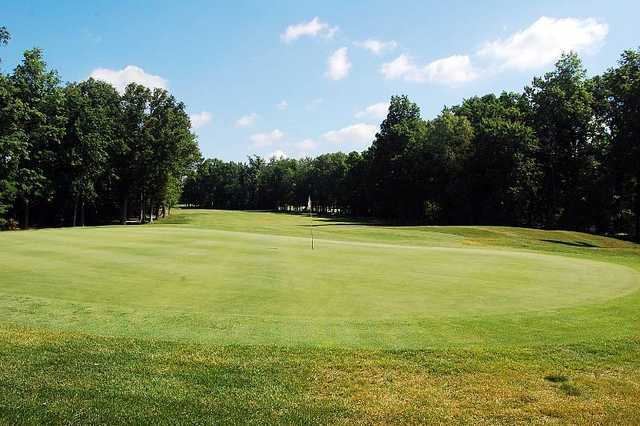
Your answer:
<point x="334" y="220"/>
<point x="581" y="244"/>
<point x="340" y="223"/>
<point x="556" y="378"/>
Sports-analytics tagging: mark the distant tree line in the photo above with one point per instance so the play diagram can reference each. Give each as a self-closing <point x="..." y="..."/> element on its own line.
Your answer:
<point x="565" y="153"/>
<point x="83" y="153"/>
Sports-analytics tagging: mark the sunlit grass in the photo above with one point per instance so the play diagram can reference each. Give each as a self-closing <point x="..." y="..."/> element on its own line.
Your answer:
<point x="224" y="317"/>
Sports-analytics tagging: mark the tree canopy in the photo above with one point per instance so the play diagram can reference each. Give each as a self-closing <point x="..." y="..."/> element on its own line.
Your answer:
<point x="563" y="153"/>
<point x="82" y="152"/>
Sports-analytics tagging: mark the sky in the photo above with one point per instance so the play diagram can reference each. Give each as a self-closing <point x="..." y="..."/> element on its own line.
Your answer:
<point x="299" y="78"/>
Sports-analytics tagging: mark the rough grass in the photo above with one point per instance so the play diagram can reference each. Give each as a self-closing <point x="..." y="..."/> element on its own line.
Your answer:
<point x="485" y="325"/>
<point x="48" y="377"/>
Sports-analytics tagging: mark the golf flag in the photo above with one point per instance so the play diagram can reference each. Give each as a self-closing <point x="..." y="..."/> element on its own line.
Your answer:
<point x="309" y="203"/>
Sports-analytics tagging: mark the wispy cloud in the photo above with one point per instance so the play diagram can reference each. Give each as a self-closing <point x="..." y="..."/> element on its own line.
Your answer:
<point x="452" y="70"/>
<point x="376" y="111"/>
<point x="261" y="140"/>
<point x="282" y="105"/>
<point x="357" y="134"/>
<point x="247" y="120"/>
<point x="377" y="47"/>
<point x="200" y="119"/>
<point x="313" y="28"/>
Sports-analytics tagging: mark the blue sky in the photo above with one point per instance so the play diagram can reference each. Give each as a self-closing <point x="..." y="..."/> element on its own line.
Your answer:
<point x="301" y="77"/>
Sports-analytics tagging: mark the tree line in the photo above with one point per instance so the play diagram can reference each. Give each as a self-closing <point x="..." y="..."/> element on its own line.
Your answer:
<point x="563" y="153"/>
<point x="81" y="152"/>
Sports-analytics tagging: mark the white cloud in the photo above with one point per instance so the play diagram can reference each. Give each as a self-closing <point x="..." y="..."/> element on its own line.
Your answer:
<point x="129" y="74"/>
<point x="338" y="64"/>
<point x="375" y="111"/>
<point x="376" y="46"/>
<point x="246" y="120"/>
<point x="278" y="154"/>
<point x="359" y="134"/>
<point x="399" y="67"/>
<point x="313" y="28"/>
<point x="452" y="70"/>
<point x="200" y="119"/>
<point x="282" y="105"/>
<point x="544" y="41"/>
<point x="260" y="140"/>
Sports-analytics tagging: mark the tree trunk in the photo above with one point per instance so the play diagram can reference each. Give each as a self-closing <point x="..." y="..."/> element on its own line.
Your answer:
<point x="637" y="209"/>
<point x="151" y="211"/>
<point x="25" y="224"/>
<point x="164" y="211"/>
<point x="82" y="213"/>
<point x="75" y="210"/>
<point x="123" y="217"/>
<point x="141" y="217"/>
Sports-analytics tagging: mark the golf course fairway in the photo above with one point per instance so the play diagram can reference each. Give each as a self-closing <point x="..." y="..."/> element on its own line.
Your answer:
<point x="244" y="287"/>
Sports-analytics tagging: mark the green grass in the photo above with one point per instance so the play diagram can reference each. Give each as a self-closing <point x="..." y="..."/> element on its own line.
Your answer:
<point x="227" y="317"/>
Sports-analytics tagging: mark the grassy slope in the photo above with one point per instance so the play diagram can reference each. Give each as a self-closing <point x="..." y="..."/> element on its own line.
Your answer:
<point x="480" y="369"/>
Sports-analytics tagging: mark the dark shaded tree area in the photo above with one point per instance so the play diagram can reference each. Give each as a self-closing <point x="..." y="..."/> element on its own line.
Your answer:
<point x="82" y="153"/>
<point x="565" y="153"/>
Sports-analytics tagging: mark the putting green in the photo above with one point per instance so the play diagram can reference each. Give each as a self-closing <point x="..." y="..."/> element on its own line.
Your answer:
<point x="201" y="283"/>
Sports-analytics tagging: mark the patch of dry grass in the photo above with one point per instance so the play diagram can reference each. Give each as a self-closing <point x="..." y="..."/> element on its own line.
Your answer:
<point x="69" y="378"/>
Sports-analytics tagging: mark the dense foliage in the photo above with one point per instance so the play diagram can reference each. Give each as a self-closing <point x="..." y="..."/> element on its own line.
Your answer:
<point x="84" y="153"/>
<point x="565" y="153"/>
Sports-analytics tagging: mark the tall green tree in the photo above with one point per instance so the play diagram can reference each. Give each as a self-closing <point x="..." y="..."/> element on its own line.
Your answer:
<point x="277" y="183"/>
<point x="354" y="190"/>
<point x="93" y="109"/>
<point x="502" y="171"/>
<point x="9" y="139"/>
<point x="13" y="145"/>
<point x="561" y="112"/>
<point x="171" y="148"/>
<point x="391" y="194"/>
<point x="622" y="113"/>
<point x="42" y="121"/>
<point x="447" y="151"/>
<point x="130" y="158"/>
